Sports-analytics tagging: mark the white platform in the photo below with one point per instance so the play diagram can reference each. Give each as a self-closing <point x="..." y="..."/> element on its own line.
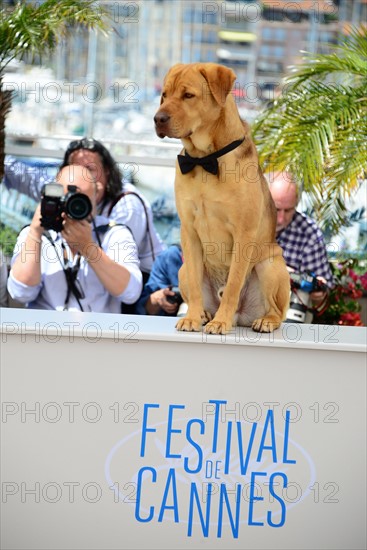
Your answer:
<point x="94" y="401"/>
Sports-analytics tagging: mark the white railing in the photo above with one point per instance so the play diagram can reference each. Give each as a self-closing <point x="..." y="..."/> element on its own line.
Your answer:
<point x="144" y="152"/>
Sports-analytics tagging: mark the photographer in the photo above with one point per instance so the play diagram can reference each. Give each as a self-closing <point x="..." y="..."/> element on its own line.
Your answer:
<point x="157" y="297"/>
<point x="299" y="236"/>
<point x="116" y="199"/>
<point x="87" y="266"/>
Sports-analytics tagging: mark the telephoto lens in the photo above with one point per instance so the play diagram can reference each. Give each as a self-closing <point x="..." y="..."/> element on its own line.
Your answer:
<point x="77" y="206"/>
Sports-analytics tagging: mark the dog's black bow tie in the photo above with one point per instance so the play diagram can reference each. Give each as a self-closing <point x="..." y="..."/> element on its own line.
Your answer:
<point x="209" y="163"/>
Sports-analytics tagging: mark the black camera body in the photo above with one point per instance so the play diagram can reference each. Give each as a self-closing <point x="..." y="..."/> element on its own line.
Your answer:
<point x="176" y="298"/>
<point x="53" y="203"/>
<point x="302" y="284"/>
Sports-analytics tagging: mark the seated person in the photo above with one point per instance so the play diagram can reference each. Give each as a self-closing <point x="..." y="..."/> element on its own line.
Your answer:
<point x="130" y="209"/>
<point x="299" y="236"/>
<point x="163" y="277"/>
<point x="87" y="266"/>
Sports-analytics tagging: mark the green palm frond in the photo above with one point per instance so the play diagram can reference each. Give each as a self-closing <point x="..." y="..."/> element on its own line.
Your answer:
<point x="318" y="128"/>
<point x="36" y="28"/>
<point x="351" y="64"/>
<point x="349" y="59"/>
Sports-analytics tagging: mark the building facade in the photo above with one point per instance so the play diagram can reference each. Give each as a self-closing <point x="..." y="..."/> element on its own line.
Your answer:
<point x="259" y="40"/>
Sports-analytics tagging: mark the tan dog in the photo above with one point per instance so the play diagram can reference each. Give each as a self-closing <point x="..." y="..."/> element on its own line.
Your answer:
<point x="233" y="271"/>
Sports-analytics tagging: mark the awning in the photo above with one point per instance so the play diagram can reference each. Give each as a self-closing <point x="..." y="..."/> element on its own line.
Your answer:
<point x="235" y="36"/>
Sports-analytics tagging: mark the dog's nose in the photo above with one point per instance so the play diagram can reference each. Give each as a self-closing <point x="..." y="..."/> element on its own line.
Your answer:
<point x="161" y="118"/>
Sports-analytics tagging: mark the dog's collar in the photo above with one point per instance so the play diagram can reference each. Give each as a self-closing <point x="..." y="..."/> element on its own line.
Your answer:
<point x="210" y="162"/>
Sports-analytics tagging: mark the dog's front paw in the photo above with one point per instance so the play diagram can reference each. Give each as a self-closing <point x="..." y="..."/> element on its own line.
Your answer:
<point x="217" y="327"/>
<point x="266" y="324"/>
<point x="189" y="324"/>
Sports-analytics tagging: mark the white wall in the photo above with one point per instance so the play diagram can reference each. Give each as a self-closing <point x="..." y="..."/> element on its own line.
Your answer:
<point x="76" y="387"/>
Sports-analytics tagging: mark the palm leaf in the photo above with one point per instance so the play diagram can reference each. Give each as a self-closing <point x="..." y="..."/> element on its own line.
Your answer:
<point x="350" y="58"/>
<point x="36" y="28"/>
<point x="318" y="129"/>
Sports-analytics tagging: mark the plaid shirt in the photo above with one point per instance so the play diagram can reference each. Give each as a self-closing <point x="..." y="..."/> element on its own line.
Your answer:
<point x="304" y="247"/>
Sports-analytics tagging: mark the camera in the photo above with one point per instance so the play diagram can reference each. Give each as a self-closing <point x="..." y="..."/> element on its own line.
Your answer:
<point x="53" y="203"/>
<point x="176" y="298"/>
<point x="302" y="284"/>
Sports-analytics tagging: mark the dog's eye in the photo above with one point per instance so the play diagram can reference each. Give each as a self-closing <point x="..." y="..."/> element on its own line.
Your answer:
<point x="164" y="95"/>
<point x="187" y="95"/>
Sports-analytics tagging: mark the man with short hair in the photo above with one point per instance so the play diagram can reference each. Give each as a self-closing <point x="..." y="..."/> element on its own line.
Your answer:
<point x="89" y="265"/>
<point x="299" y="236"/>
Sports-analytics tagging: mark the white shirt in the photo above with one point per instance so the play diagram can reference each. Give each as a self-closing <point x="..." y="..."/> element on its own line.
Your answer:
<point x="130" y="211"/>
<point x="117" y="243"/>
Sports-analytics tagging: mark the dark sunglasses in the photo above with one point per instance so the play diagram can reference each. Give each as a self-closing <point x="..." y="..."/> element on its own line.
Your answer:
<point x="85" y="143"/>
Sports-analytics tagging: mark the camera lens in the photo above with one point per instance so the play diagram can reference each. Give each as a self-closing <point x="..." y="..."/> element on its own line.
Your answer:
<point x="176" y="298"/>
<point x="78" y="206"/>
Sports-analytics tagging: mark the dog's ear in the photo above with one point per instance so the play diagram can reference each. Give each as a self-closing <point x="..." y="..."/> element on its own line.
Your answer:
<point x="220" y="80"/>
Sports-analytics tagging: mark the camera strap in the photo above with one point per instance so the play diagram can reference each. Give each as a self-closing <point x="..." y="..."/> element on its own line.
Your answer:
<point x="70" y="272"/>
<point x="123" y="194"/>
<point x="102" y="229"/>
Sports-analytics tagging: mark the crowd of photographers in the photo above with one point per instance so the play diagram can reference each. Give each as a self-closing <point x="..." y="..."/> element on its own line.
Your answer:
<point x="92" y="244"/>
